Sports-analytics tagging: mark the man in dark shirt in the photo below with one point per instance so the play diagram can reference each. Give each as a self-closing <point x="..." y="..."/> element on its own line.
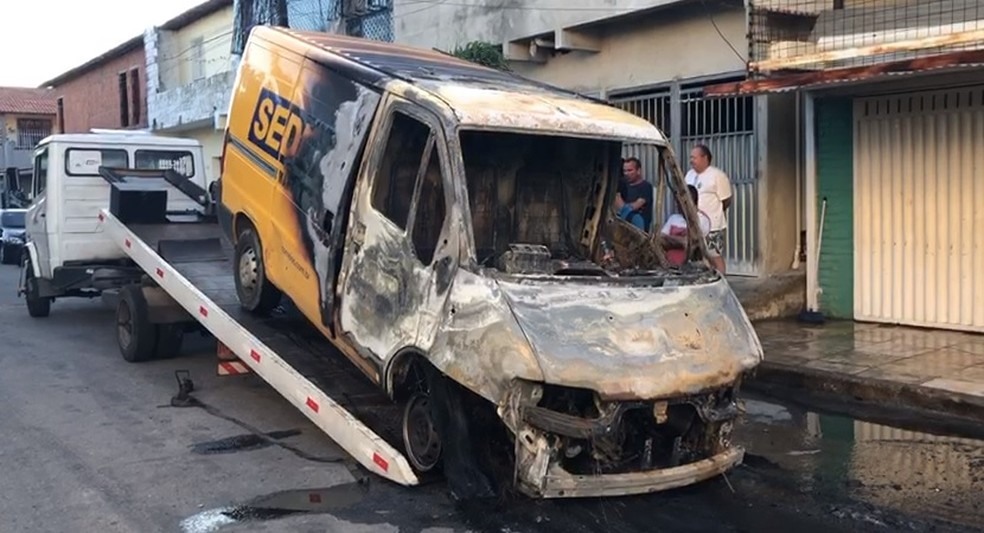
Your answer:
<point x="634" y="201"/>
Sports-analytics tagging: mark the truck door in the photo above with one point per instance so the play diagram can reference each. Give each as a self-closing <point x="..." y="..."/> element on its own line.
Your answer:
<point x="398" y="234"/>
<point x="37" y="213"/>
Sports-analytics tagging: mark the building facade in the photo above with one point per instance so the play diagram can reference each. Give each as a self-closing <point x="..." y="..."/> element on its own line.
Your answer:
<point x="109" y="91"/>
<point x="27" y="115"/>
<point x="192" y="59"/>
<point x="189" y="77"/>
<point x="653" y="58"/>
<point x="893" y="129"/>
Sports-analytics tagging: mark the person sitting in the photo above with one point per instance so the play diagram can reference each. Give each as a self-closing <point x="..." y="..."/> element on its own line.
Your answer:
<point x="674" y="232"/>
<point x="634" y="200"/>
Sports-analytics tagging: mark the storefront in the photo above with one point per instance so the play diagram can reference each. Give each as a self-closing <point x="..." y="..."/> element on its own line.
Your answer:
<point x="894" y="190"/>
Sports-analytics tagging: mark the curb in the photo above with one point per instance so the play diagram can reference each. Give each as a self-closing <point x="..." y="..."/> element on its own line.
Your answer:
<point x="896" y="401"/>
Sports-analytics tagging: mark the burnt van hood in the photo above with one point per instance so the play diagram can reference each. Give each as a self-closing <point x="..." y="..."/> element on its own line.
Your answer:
<point x="635" y="342"/>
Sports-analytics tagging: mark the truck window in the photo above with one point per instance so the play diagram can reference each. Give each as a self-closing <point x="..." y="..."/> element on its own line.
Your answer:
<point x="40" y="172"/>
<point x="12" y="219"/>
<point x="428" y="218"/>
<point x="86" y="161"/>
<point x="180" y="161"/>
<point x="397" y="174"/>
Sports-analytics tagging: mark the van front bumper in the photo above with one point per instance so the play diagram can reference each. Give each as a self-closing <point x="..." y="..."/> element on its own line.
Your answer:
<point x="556" y="482"/>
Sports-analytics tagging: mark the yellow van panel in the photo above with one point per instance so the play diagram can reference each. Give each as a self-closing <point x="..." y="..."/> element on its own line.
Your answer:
<point x="294" y="133"/>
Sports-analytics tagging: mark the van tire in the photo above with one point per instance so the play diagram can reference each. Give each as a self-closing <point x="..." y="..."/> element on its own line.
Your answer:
<point x="37" y="307"/>
<point x="256" y="294"/>
<point x="135" y="334"/>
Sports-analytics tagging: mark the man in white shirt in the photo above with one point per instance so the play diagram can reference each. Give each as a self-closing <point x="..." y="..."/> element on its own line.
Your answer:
<point x="714" y="199"/>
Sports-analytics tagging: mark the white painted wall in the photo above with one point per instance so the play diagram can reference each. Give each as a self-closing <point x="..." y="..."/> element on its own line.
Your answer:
<point x="655" y="49"/>
<point x="446" y="25"/>
<point x="677" y="41"/>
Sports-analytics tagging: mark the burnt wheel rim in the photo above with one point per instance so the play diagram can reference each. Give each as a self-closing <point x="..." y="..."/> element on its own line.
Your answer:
<point x="124" y="325"/>
<point x="420" y="437"/>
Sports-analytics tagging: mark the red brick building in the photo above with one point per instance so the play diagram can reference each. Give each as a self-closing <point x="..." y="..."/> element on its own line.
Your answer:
<point x="107" y="91"/>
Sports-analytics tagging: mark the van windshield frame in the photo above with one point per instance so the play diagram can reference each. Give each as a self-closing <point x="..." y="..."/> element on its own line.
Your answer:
<point x="595" y="162"/>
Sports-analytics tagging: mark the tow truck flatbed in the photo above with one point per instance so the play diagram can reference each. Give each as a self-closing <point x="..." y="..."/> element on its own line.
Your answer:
<point x="191" y="262"/>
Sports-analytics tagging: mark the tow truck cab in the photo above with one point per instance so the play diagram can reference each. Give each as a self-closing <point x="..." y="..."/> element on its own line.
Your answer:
<point x="65" y="253"/>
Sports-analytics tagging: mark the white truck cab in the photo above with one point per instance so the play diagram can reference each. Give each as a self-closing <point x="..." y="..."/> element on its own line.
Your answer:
<point x="65" y="253"/>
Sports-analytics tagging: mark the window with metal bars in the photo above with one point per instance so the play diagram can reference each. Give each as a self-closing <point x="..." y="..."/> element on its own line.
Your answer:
<point x="30" y="131"/>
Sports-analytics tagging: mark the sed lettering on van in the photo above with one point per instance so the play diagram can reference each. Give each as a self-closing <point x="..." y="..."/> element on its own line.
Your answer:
<point x="276" y="122"/>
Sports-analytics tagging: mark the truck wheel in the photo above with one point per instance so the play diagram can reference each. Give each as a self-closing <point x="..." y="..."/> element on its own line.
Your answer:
<point x="169" y="340"/>
<point x="4" y="255"/>
<point x="256" y="293"/>
<point x="37" y="306"/>
<point x="136" y="335"/>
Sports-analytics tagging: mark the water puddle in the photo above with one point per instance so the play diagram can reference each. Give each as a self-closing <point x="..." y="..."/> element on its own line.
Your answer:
<point x="245" y="442"/>
<point x="912" y="472"/>
<point x="278" y="505"/>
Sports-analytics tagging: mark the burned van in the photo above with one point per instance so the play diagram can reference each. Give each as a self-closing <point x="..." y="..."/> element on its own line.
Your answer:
<point x="448" y="227"/>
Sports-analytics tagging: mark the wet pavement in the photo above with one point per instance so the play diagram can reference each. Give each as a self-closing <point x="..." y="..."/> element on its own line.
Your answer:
<point x="932" y="369"/>
<point x="804" y="472"/>
<point x="934" y="358"/>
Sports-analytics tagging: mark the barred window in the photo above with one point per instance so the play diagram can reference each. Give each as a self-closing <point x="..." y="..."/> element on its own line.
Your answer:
<point x="30" y="131"/>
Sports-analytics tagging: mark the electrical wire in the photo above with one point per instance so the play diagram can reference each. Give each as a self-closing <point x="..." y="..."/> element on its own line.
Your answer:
<point x="710" y="16"/>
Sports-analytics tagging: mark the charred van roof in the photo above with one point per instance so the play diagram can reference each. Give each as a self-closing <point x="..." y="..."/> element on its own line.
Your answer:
<point x="404" y="62"/>
<point x="478" y="95"/>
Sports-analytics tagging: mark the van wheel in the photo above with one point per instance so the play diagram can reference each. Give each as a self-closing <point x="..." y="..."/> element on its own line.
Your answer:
<point x="37" y="306"/>
<point x="135" y="334"/>
<point x="421" y="438"/>
<point x="256" y="293"/>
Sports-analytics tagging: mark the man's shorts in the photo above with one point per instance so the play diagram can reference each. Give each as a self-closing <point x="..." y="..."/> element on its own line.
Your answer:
<point x="715" y="243"/>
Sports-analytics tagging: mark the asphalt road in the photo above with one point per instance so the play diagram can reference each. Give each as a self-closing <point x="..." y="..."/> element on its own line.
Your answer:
<point x="89" y="442"/>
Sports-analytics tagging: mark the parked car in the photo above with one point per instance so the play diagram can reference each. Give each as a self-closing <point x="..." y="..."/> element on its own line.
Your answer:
<point x="11" y="235"/>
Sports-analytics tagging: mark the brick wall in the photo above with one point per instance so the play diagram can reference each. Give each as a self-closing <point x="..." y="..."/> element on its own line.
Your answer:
<point x="835" y="181"/>
<point x="92" y="98"/>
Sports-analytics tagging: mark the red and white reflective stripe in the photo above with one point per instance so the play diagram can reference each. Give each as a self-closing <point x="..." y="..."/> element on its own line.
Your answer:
<point x="382" y="463"/>
<point x="160" y="272"/>
<point x="313" y="405"/>
<point x="127" y="243"/>
<point x="255" y="355"/>
<point x="232" y="368"/>
<point x="202" y="310"/>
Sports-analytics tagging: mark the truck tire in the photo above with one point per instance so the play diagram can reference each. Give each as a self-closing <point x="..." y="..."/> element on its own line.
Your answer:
<point x="37" y="306"/>
<point x="169" y="340"/>
<point x="135" y="334"/>
<point x="5" y="256"/>
<point x="256" y="294"/>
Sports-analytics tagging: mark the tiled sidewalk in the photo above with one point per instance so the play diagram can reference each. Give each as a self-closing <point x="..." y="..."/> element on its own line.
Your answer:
<point x="940" y="360"/>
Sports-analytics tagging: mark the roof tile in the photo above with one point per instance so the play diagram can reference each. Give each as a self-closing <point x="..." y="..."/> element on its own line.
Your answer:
<point x="27" y="100"/>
